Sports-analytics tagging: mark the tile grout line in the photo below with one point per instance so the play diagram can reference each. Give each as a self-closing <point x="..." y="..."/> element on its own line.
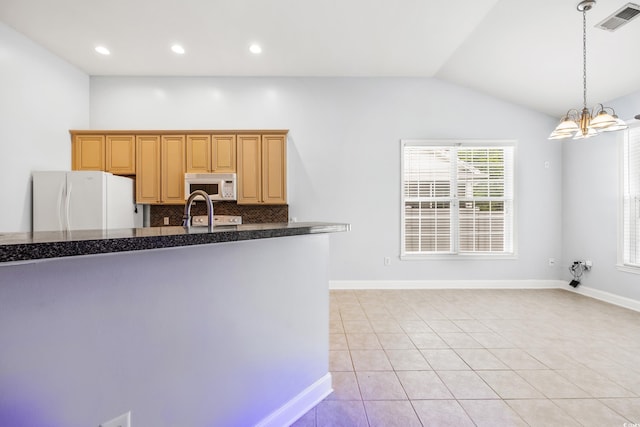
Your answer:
<point x="355" y="375"/>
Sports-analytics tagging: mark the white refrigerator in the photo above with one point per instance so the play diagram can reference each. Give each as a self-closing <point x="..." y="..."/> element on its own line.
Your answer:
<point x="83" y="200"/>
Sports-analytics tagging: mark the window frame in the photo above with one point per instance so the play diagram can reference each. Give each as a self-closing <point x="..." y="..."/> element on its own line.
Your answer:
<point x="488" y="143"/>
<point x="623" y="264"/>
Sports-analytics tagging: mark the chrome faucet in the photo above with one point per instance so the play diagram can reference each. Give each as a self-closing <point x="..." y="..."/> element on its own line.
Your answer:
<point x="186" y="218"/>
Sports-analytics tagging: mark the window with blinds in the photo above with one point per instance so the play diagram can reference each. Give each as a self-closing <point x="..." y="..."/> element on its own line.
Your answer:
<point x="631" y="198"/>
<point x="457" y="197"/>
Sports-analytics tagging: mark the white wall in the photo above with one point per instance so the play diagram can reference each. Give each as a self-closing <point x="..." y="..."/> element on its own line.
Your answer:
<point x="344" y="155"/>
<point x="42" y="97"/>
<point x="591" y="184"/>
<point x="627" y="107"/>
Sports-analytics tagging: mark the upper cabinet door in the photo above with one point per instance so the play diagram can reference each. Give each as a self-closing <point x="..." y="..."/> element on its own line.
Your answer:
<point x="88" y="153"/>
<point x="198" y="153"/>
<point x="121" y="154"/>
<point x="249" y="169"/>
<point x="148" y="169"/>
<point x="173" y="167"/>
<point x="223" y="150"/>
<point x="274" y="169"/>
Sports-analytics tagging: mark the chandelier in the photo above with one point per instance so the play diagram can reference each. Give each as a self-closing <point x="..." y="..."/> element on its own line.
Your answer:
<point x="584" y="123"/>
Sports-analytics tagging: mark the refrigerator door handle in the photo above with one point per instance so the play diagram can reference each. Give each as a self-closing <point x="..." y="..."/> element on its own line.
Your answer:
<point x="60" y="196"/>
<point x="68" y="202"/>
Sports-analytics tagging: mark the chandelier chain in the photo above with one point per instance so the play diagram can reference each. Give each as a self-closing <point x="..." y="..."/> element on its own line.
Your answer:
<point x="584" y="57"/>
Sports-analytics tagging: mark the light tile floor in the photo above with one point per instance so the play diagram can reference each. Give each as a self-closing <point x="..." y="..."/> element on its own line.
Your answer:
<point x="480" y="358"/>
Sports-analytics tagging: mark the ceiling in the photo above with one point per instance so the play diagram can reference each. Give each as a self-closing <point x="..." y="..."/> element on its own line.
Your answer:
<point x="526" y="52"/>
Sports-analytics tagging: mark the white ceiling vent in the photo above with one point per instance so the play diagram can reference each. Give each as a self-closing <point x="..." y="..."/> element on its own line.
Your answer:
<point x="620" y="17"/>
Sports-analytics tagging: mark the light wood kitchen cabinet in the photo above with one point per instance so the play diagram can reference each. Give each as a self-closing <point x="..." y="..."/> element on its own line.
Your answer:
<point x="211" y="153"/>
<point x="160" y="165"/>
<point x="262" y="169"/>
<point x="249" y="169"/>
<point x="88" y="153"/>
<point x="172" y="169"/>
<point x="223" y="153"/>
<point x="121" y="154"/>
<point x="109" y="153"/>
<point x="198" y="153"/>
<point x="159" y="159"/>
<point x="148" y="169"/>
<point x="274" y="169"/>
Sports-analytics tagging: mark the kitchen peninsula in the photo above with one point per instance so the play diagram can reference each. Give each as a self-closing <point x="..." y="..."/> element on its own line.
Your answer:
<point x="180" y="327"/>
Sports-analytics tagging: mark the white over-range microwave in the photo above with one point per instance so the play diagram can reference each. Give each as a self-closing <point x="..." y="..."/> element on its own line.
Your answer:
<point x="219" y="186"/>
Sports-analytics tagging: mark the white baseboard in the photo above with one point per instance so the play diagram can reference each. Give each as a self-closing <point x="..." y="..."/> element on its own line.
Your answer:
<point x="625" y="302"/>
<point x="485" y="284"/>
<point x="299" y="405"/>
<point x="446" y="284"/>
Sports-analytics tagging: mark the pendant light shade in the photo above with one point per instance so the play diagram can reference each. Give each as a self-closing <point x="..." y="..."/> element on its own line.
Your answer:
<point x="584" y="123"/>
<point x="565" y="129"/>
<point x="567" y="125"/>
<point x="603" y="120"/>
<point x="620" y="125"/>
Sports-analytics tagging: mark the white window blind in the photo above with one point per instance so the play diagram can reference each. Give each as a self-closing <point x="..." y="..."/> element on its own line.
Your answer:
<point x="457" y="197"/>
<point x="631" y="197"/>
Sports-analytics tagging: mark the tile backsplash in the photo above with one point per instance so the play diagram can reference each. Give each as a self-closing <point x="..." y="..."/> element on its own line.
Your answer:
<point x="251" y="214"/>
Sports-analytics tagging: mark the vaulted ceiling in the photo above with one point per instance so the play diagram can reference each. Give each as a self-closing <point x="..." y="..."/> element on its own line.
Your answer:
<point x="526" y="52"/>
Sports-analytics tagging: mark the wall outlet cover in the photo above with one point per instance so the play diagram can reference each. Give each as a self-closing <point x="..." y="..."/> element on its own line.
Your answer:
<point x="123" y="420"/>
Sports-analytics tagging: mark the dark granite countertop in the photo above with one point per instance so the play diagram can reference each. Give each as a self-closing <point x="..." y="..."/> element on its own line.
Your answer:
<point x="17" y="247"/>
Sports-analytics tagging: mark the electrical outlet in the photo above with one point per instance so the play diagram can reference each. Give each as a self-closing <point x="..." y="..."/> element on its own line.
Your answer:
<point x="387" y="260"/>
<point x="166" y="220"/>
<point x="123" y="420"/>
<point x="552" y="262"/>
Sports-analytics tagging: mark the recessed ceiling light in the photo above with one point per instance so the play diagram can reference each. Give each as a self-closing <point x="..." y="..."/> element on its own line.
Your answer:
<point x="255" y="48"/>
<point x="102" y="50"/>
<point x="176" y="48"/>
